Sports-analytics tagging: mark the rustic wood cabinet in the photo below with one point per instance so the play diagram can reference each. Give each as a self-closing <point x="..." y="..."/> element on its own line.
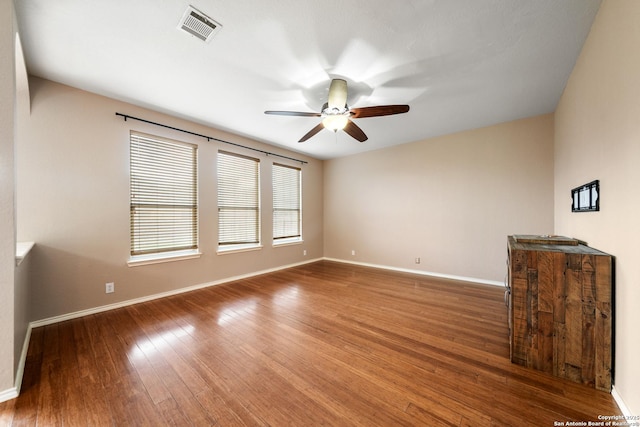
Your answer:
<point x="560" y="308"/>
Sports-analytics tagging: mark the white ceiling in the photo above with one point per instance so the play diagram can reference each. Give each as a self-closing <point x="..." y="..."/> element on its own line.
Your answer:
<point x="459" y="64"/>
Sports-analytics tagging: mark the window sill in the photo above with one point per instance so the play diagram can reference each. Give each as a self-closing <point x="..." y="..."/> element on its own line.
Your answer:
<point x="287" y="242"/>
<point x="138" y="260"/>
<point x="238" y="248"/>
<point x="22" y="250"/>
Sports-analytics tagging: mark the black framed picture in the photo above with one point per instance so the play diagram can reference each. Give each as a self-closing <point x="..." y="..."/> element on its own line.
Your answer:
<point x="586" y="198"/>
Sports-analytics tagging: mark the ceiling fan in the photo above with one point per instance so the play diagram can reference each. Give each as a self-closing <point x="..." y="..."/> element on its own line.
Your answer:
<point x="336" y="114"/>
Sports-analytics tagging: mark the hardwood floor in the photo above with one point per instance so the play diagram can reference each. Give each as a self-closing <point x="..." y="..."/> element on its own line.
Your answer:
<point x="320" y="344"/>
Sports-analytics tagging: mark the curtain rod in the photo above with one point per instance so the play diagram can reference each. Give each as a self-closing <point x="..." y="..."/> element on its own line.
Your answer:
<point x="208" y="138"/>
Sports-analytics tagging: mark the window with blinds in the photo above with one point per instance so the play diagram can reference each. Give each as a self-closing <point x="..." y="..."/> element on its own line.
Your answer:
<point x="287" y="207"/>
<point x="164" y="195"/>
<point x="238" y="201"/>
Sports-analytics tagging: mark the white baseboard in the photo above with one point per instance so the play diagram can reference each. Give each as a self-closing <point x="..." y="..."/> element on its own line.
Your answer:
<point x="100" y="309"/>
<point x="8" y="394"/>
<point x="14" y="391"/>
<point x="623" y="406"/>
<point x="421" y="272"/>
<point x="23" y="359"/>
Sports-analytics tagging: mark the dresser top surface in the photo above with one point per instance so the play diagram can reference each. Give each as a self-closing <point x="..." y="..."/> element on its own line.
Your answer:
<point x="551" y="244"/>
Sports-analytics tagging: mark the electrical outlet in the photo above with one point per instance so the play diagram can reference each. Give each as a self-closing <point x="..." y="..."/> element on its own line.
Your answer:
<point x="417" y="260"/>
<point x="304" y="252"/>
<point x="353" y="252"/>
<point x="109" y="288"/>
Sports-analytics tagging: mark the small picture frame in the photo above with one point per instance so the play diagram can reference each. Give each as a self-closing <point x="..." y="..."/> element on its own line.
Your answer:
<point x="586" y="198"/>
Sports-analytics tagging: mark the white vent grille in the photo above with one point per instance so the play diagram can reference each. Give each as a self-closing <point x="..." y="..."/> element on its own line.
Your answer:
<point x="198" y="24"/>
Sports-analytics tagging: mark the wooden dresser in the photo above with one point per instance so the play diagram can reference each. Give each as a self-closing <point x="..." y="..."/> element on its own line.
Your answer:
<point x="560" y="308"/>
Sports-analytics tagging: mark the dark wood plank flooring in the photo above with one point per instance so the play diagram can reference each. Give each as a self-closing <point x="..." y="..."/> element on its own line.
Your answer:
<point x="320" y="344"/>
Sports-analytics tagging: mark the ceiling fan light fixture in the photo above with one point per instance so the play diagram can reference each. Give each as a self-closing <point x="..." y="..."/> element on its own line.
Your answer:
<point x="335" y="122"/>
<point x="336" y="114"/>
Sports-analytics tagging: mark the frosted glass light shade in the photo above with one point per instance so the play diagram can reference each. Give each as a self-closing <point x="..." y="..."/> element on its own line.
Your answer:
<point x="335" y="122"/>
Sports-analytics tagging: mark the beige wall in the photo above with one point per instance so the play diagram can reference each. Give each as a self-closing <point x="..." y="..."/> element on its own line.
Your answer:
<point x="73" y="186"/>
<point x="22" y="295"/>
<point x="7" y="189"/>
<point x="597" y="136"/>
<point x="450" y="200"/>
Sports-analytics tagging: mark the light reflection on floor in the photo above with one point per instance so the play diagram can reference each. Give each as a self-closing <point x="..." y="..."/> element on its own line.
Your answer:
<point x="236" y="310"/>
<point x="287" y="297"/>
<point x="158" y="341"/>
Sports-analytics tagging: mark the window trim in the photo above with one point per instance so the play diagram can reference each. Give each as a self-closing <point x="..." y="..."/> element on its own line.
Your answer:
<point x="171" y="254"/>
<point x="233" y="249"/>
<point x="289" y="240"/>
<point x="161" y="257"/>
<point x="227" y="248"/>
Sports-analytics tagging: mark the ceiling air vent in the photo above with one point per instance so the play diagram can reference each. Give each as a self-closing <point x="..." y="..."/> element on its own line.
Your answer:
<point x="198" y="24"/>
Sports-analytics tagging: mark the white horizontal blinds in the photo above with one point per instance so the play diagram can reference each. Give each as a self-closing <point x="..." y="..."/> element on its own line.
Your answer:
<point x="286" y="202"/>
<point x="164" y="195"/>
<point x="238" y="199"/>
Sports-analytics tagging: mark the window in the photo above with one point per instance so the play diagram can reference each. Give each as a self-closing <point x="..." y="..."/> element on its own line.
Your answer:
<point x="164" y="196"/>
<point x="238" y="201"/>
<point x="287" y="209"/>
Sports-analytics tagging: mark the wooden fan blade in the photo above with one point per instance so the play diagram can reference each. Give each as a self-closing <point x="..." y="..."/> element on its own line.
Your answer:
<point x="293" y="113"/>
<point x="355" y="131"/>
<point x="337" y="94"/>
<point x="379" y="110"/>
<point x="312" y="132"/>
